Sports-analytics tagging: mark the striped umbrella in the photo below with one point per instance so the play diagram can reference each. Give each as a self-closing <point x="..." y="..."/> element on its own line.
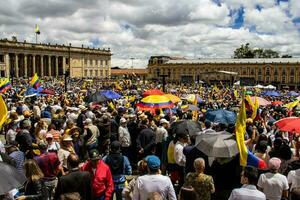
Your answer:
<point x="153" y="102"/>
<point x="153" y="92"/>
<point x="173" y="98"/>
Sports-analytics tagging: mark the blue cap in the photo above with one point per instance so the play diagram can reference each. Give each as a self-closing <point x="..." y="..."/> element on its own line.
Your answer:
<point x="153" y="162"/>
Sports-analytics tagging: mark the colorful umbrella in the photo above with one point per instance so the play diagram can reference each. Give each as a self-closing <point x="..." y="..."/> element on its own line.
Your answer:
<point x="153" y="102"/>
<point x="153" y="92"/>
<point x="191" y="98"/>
<point x="271" y="93"/>
<point x="276" y="103"/>
<point x="261" y="101"/>
<point x="111" y="94"/>
<point x="290" y="124"/>
<point x="173" y="98"/>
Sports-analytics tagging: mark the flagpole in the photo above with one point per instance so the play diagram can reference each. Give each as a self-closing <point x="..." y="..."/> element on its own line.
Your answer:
<point x="36" y="38"/>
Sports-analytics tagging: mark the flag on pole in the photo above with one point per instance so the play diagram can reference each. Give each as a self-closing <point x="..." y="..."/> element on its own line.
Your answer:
<point x="195" y="113"/>
<point x="37" y="29"/>
<point x="246" y="157"/>
<point x="5" y="85"/>
<point x="255" y="108"/>
<point x="3" y="112"/>
<point x="291" y="105"/>
<point x="35" y="82"/>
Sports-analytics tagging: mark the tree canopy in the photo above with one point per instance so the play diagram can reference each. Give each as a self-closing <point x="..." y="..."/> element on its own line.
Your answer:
<point x="245" y="51"/>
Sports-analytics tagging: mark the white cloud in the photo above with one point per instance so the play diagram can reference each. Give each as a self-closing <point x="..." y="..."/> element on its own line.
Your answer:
<point x="142" y="28"/>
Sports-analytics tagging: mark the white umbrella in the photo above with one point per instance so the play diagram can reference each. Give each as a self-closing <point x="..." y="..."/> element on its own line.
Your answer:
<point x="259" y="86"/>
<point x="237" y="83"/>
<point x="271" y="87"/>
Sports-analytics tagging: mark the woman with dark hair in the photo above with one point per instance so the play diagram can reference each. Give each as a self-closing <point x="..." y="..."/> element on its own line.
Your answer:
<point x="187" y="193"/>
<point x="261" y="151"/>
<point x="34" y="187"/>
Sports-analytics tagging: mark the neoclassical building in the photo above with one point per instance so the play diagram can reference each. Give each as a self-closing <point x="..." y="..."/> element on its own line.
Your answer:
<point x="23" y="59"/>
<point x="276" y="71"/>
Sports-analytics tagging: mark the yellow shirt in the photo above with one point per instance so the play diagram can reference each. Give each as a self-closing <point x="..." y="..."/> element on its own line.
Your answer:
<point x="170" y="153"/>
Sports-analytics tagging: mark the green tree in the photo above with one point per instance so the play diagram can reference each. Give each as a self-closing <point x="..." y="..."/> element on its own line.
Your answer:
<point x="243" y="52"/>
<point x="246" y="52"/>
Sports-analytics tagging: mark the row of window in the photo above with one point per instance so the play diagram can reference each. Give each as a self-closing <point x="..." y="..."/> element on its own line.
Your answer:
<point x="95" y="62"/>
<point x="95" y="73"/>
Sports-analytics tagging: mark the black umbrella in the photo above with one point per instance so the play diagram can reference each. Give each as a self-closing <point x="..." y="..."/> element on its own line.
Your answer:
<point x="97" y="97"/>
<point x="189" y="127"/>
<point x="10" y="178"/>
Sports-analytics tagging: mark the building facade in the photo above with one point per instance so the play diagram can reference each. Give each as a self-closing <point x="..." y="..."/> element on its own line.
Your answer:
<point x="134" y="74"/>
<point x="280" y="72"/>
<point x="23" y="59"/>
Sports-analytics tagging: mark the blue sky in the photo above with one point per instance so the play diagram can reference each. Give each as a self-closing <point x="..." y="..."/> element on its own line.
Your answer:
<point x="142" y="28"/>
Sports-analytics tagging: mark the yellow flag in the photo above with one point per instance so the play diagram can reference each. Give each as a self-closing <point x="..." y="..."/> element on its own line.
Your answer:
<point x="37" y="29"/>
<point x="292" y="104"/>
<point x="195" y="113"/>
<point x="236" y="94"/>
<point x="118" y="87"/>
<point x="3" y="112"/>
<point x="111" y="105"/>
<point x="255" y="107"/>
<point x="240" y="129"/>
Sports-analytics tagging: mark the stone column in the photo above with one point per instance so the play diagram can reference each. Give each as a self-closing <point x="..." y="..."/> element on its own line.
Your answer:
<point x="33" y="64"/>
<point x="25" y="65"/>
<point x="56" y="66"/>
<point x="42" y="65"/>
<point x="17" y="66"/>
<point x="49" y="66"/>
<point x="7" y="62"/>
<point x="64" y="64"/>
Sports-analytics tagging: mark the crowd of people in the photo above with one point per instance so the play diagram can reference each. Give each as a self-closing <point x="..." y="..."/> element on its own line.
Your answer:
<point x="69" y="147"/>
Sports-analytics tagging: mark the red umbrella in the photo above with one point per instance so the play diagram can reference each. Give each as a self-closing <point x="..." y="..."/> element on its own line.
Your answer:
<point x="276" y="103"/>
<point x="47" y="91"/>
<point x="290" y="124"/>
<point x="153" y="92"/>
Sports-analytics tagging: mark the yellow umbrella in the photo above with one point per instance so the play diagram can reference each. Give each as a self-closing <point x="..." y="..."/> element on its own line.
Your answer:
<point x="173" y="98"/>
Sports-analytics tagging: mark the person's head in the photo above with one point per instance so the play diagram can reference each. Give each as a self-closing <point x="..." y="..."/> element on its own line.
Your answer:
<point x="142" y="167"/>
<point x="153" y="164"/>
<point x="25" y="124"/>
<point x="274" y="164"/>
<point x="207" y="124"/>
<point x="164" y="123"/>
<point x="187" y="193"/>
<point x="249" y="175"/>
<point x="94" y="157"/>
<point x="155" y="196"/>
<point x="199" y="165"/>
<point x="70" y="123"/>
<point x="115" y="147"/>
<point x="182" y="137"/>
<point x="277" y="143"/>
<point x="123" y="122"/>
<point x="73" y="161"/>
<point x="49" y="138"/>
<point x="66" y="141"/>
<point x="32" y="170"/>
<point x="262" y="146"/>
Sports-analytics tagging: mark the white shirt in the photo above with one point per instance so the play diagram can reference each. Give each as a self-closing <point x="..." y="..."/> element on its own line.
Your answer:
<point x="178" y="154"/>
<point x="160" y="134"/>
<point x="247" y="192"/>
<point x="147" y="184"/>
<point x="294" y="178"/>
<point x="124" y="136"/>
<point x="273" y="185"/>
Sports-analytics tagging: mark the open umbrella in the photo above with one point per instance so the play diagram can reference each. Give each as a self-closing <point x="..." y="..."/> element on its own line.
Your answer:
<point x="276" y="103"/>
<point x="153" y="92"/>
<point x="270" y="87"/>
<point x="271" y="93"/>
<point x="221" y="116"/>
<point x="261" y="101"/>
<point x="293" y="94"/>
<point x="109" y="94"/>
<point x="191" y="98"/>
<point x="290" y="124"/>
<point x="189" y="127"/>
<point x="96" y="97"/>
<point x="10" y="178"/>
<point x="153" y="102"/>
<point x="173" y="98"/>
<point x="218" y="145"/>
<point x="190" y="107"/>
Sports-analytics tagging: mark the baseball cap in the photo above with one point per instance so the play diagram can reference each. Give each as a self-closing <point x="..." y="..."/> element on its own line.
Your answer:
<point x="153" y="162"/>
<point x="94" y="154"/>
<point x="67" y="139"/>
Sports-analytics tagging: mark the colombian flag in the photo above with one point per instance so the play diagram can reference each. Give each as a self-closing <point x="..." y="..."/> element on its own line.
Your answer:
<point x="35" y="82"/>
<point x="5" y="85"/>
<point x="246" y="157"/>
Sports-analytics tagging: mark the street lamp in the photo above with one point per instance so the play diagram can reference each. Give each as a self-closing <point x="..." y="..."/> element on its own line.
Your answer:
<point x="163" y="77"/>
<point x="67" y="72"/>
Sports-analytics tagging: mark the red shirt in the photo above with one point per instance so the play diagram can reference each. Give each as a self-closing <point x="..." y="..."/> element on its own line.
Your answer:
<point x="102" y="181"/>
<point x="49" y="164"/>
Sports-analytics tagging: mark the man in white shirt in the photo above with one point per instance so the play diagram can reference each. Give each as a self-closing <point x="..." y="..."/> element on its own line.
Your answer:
<point x="146" y="185"/>
<point x="248" y="190"/>
<point x="178" y="149"/>
<point x="273" y="184"/>
<point x="294" y="179"/>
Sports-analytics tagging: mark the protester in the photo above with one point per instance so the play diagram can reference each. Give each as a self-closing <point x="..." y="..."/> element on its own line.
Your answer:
<point x="102" y="182"/>
<point x="249" y="179"/>
<point x="153" y="182"/>
<point x="202" y="183"/>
